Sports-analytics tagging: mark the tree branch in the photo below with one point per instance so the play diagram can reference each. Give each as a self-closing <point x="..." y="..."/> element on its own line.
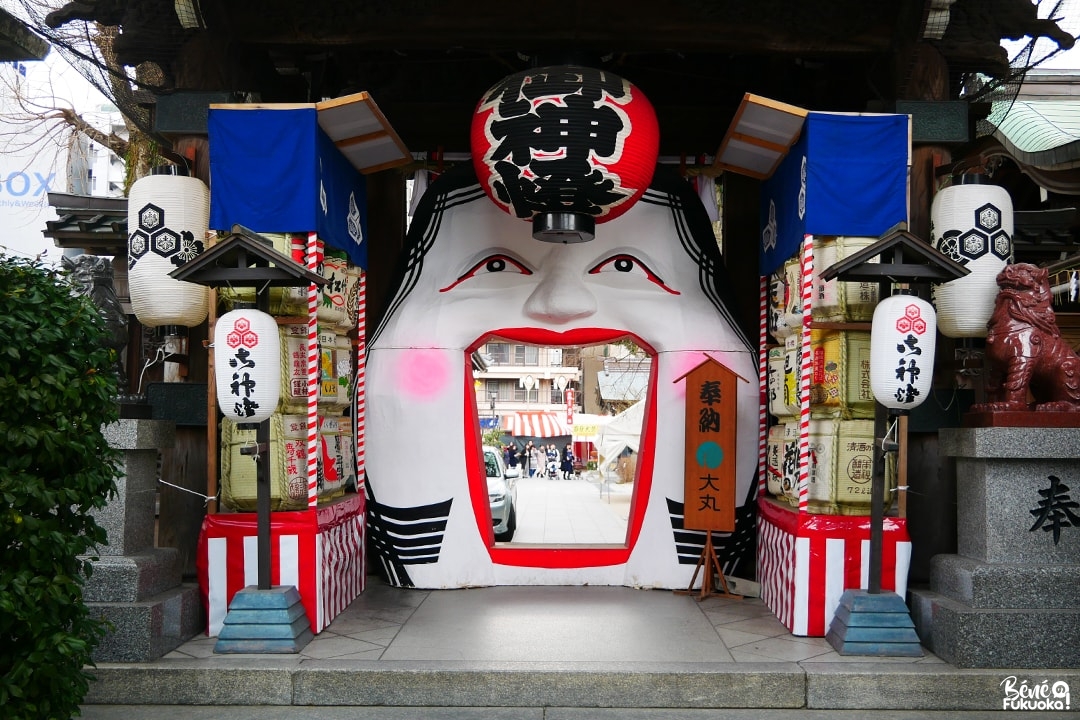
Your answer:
<point x="116" y="144"/>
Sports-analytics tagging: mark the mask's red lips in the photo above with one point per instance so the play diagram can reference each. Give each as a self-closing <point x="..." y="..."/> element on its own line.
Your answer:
<point x="562" y="556"/>
<point x="561" y="338"/>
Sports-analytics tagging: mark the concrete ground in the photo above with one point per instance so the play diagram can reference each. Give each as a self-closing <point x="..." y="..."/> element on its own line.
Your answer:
<point x="583" y="510"/>
<point x="554" y="653"/>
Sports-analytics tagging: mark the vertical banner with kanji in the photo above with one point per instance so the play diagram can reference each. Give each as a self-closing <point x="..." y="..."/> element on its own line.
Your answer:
<point x="709" y="468"/>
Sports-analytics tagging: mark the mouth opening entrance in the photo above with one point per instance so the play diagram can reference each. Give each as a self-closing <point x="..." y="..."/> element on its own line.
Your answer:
<point x="569" y="422"/>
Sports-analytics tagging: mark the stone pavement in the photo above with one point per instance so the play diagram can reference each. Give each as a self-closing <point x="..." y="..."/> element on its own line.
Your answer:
<point x="554" y="653"/>
<point x="581" y="511"/>
<point x="575" y="648"/>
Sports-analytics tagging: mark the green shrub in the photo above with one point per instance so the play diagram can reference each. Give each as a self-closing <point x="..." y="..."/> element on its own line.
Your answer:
<point x="58" y="391"/>
<point x="492" y="437"/>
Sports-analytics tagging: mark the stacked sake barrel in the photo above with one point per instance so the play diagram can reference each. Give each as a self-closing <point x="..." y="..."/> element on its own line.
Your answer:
<point x="840" y="427"/>
<point x="333" y="469"/>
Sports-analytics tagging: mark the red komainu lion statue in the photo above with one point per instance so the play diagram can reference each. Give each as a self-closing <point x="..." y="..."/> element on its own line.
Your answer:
<point x="1025" y="348"/>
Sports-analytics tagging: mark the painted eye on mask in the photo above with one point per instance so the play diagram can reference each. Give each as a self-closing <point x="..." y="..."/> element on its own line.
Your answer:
<point x="497" y="263"/>
<point x="630" y="265"/>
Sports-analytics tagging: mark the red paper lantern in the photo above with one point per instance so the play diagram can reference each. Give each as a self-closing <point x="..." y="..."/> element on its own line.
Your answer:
<point x="566" y="147"/>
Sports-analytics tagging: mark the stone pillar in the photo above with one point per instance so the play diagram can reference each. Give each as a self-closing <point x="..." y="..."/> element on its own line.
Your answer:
<point x="1010" y="597"/>
<point x="135" y="586"/>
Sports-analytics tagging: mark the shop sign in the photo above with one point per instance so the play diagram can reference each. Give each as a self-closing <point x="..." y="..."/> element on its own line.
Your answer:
<point x="709" y="465"/>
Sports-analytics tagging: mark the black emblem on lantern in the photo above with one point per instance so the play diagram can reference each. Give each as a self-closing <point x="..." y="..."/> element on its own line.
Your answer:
<point x="543" y="157"/>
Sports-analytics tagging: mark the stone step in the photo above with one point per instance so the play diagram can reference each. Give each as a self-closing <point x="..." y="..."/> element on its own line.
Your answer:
<point x="284" y="681"/>
<point x="131" y="578"/>
<point x="1005" y="585"/>
<point x="147" y="629"/>
<point x="996" y="637"/>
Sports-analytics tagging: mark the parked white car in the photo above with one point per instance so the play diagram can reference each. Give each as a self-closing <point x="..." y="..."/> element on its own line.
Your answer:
<point x="502" y="494"/>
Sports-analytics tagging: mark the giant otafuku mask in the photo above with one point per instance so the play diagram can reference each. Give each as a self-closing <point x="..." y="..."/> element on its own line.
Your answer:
<point x="473" y="272"/>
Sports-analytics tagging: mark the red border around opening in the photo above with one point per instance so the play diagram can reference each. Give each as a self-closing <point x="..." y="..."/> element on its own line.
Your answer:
<point x="559" y="556"/>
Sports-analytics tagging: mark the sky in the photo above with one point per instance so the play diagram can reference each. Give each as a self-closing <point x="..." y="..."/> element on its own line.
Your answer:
<point x="25" y="179"/>
<point x="1064" y="60"/>
<point x="1069" y="22"/>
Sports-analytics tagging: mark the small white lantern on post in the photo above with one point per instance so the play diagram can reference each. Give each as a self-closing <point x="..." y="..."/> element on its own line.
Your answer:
<point x="247" y="365"/>
<point x="903" y="340"/>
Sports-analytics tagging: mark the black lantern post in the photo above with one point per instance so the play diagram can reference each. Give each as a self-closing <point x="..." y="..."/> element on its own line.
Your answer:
<point x="246" y="259"/>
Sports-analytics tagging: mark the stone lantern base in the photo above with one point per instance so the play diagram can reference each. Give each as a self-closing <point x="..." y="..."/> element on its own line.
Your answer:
<point x="135" y="586"/>
<point x="1010" y="597"/>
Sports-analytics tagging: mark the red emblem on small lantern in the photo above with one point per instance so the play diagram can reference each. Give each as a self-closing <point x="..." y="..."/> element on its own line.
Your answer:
<point x="564" y="141"/>
<point x="911" y="321"/>
<point x="242" y="334"/>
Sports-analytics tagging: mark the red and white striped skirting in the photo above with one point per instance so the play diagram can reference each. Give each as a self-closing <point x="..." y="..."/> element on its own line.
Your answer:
<point x="320" y="552"/>
<point x="806" y="561"/>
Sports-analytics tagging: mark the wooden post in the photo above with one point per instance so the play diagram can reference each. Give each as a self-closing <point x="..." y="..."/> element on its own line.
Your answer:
<point x="877" y="484"/>
<point x="211" y="415"/>
<point x="709" y="562"/>
<point x="262" y="482"/>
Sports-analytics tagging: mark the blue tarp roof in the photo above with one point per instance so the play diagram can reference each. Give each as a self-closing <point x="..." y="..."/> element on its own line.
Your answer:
<point x="276" y="171"/>
<point x="846" y="175"/>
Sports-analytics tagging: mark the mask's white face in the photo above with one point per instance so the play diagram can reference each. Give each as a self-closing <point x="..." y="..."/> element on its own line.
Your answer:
<point x="483" y="275"/>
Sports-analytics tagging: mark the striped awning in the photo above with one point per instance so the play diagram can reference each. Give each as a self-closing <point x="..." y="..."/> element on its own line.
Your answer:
<point x="538" y="423"/>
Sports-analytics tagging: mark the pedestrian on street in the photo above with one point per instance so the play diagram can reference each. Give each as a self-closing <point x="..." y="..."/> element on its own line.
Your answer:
<point x="537" y="459"/>
<point x="567" y="466"/>
<point x="552" y="462"/>
<point x="524" y="457"/>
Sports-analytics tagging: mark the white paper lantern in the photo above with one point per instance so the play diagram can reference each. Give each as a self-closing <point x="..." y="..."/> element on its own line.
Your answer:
<point x="168" y="216"/>
<point x="972" y="223"/>
<point x="903" y="339"/>
<point x="247" y="363"/>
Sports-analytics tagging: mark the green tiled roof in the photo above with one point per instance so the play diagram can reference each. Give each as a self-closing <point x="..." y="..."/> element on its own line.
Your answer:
<point x="1043" y="133"/>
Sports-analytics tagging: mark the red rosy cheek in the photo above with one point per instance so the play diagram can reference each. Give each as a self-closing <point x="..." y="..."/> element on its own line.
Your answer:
<point x="681" y="363"/>
<point x="423" y="374"/>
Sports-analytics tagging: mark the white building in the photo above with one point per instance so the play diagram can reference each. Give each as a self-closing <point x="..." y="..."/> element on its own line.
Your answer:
<point x="36" y="159"/>
<point x="519" y="377"/>
<point x="93" y="169"/>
